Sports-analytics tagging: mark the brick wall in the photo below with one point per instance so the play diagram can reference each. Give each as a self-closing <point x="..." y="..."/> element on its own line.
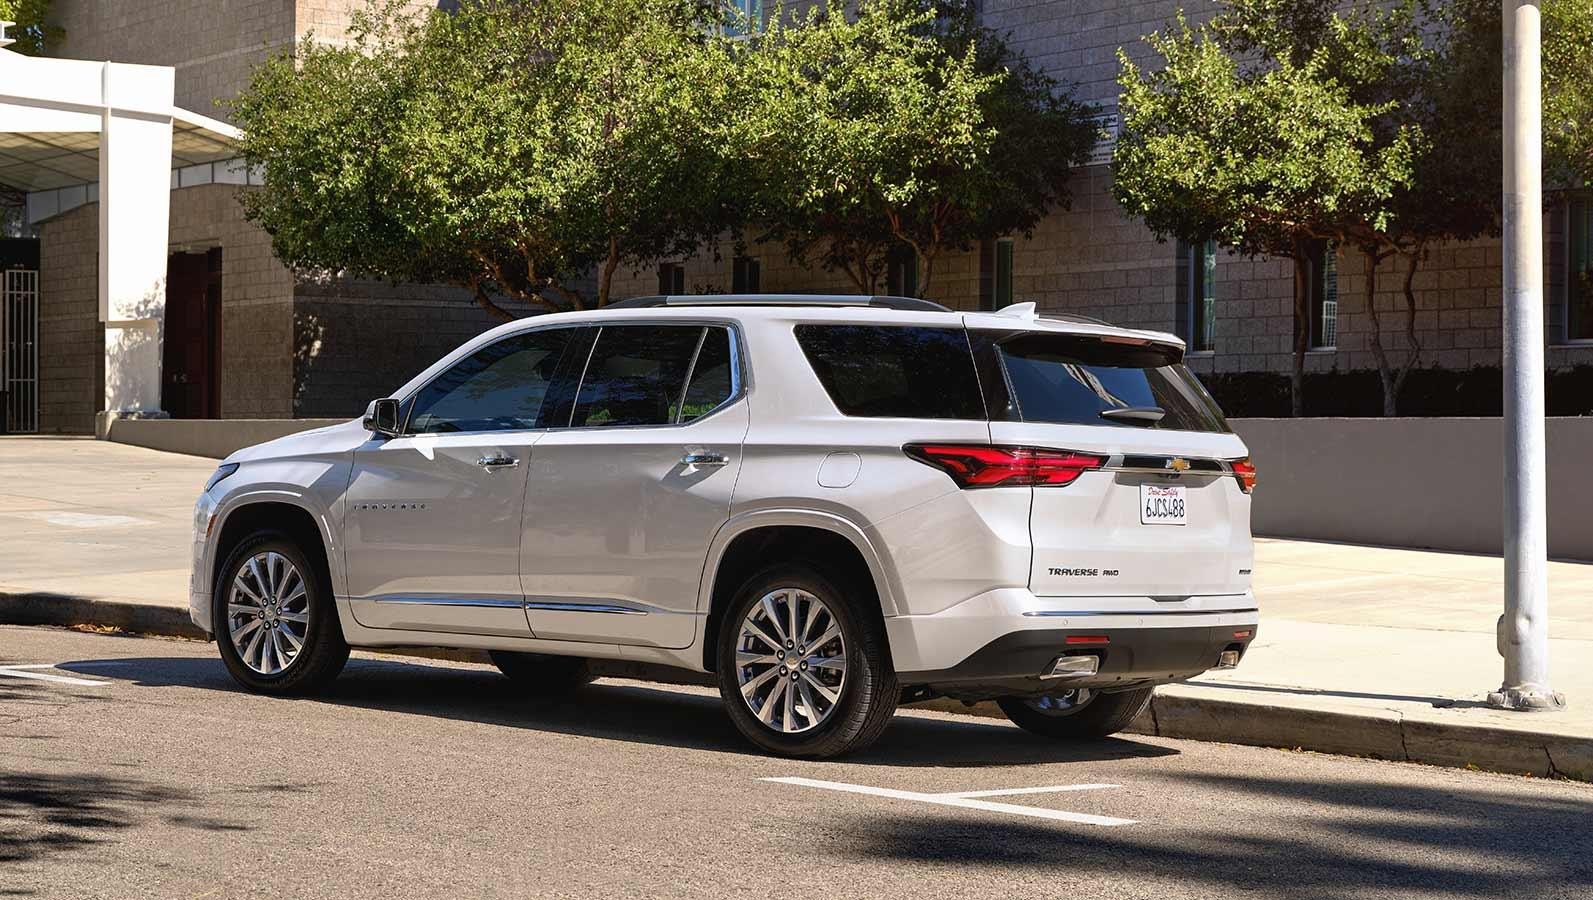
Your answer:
<point x="71" y="338"/>
<point x="212" y="45"/>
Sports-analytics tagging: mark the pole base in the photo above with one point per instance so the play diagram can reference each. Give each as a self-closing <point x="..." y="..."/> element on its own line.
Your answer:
<point x="1527" y="698"/>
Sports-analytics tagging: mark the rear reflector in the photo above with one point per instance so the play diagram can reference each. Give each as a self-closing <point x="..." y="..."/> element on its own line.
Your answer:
<point x="1245" y="471"/>
<point x="980" y="466"/>
<point x="1087" y="639"/>
<point x="1241" y="635"/>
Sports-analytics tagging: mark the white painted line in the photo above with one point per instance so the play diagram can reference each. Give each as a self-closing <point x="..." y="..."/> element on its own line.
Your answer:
<point x="17" y="672"/>
<point x="1053" y="789"/>
<point x="960" y="802"/>
<point x="84" y="520"/>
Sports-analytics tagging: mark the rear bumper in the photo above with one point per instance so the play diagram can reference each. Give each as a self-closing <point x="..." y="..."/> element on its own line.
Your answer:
<point x="1002" y="642"/>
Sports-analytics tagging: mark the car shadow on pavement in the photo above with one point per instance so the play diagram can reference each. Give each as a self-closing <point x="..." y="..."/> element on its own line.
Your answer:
<point x="623" y="712"/>
<point x="1318" y="840"/>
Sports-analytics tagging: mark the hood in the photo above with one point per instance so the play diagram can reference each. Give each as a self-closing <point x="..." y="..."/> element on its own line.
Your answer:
<point x="341" y="438"/>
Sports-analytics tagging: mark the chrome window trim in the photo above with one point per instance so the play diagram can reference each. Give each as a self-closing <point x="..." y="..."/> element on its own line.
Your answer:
<point x="404" y="431"/>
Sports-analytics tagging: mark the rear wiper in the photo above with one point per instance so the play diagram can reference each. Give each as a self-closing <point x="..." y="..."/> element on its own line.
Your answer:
<point x="1146" y="414"/>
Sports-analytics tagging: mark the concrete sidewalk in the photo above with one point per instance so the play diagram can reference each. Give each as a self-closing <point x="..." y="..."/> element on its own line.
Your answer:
<point x="1363" y="650"/>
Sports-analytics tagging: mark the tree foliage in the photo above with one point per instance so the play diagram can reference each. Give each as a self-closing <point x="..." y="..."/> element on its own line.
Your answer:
<point x="33" y="31"/>
<point x="903" y="123"/>
<point x="1252" y="132"/>
<point x="509" y="147"/>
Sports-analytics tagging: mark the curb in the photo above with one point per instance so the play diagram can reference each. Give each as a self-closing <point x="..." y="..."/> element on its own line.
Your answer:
<point x="1187" y="713"/>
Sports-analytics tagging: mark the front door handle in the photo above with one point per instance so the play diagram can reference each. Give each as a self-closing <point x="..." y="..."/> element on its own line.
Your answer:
<point x="497" y="462"/>
<point x="699" y="458"/>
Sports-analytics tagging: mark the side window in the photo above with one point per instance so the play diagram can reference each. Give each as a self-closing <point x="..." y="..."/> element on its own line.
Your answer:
<point x="636" y="375"/>
<point x="498" y="388"/>
<point x="712" y="377"/>
<point x="895" y="371"/>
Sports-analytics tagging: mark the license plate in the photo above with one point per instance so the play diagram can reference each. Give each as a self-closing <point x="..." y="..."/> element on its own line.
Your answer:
<point x="1161" y="505"/>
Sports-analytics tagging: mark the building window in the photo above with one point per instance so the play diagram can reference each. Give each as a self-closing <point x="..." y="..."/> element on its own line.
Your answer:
<point x="746" y="276"/>
<point x="1579" y="276"/>
<point x="1324" y="298"/>
<point x="743" y="17"/>
<point x="1197" y="294"/>
<point x="671" y="278"/>
<point x="995" y="274"/>
<point x="901" y="273"/>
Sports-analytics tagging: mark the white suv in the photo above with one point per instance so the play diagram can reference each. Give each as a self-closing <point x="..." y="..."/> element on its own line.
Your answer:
<point x="833" y="504"/>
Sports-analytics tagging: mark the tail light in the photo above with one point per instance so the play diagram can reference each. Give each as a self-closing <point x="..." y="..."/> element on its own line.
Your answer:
<point x="1245" y="471"/>
<point x="979" y="466"/>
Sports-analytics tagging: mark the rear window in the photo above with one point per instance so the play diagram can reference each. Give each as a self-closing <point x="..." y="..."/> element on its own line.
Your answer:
<point x="1074" y="380"/>
<point x="895" y="371"/>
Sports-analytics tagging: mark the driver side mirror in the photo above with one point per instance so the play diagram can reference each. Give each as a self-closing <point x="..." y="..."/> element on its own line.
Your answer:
<point x="382" y="417"/>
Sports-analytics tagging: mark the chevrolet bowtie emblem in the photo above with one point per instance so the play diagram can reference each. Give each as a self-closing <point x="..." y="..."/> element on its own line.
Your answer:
<point x="1178" y="464"/>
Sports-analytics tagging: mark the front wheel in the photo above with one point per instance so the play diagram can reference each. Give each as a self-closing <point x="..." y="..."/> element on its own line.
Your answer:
<point x="1078" y="713"/>
<point x="803" y="666"/>
<point x="275" y="623"/>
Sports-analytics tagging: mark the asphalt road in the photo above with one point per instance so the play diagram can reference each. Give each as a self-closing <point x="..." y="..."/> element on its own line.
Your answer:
<point x="425" y="779"/>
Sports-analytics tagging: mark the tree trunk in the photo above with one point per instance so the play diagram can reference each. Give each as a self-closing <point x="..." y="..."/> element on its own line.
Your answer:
<point x="485" y="302"/>
<point x="607" y="276"/>
<point x="1385" y="373"/>
<point x="1302" y="327"/>
<point x="929" y="273"/>
<point x="1414" y="347"/>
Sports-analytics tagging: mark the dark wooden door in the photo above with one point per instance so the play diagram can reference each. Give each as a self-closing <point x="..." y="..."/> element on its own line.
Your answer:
<point x="191" y="361"/>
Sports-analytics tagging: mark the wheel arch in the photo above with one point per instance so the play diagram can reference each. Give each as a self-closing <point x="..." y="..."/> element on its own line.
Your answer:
<point x="754" y="540"/>
<point x="276" y="511"/>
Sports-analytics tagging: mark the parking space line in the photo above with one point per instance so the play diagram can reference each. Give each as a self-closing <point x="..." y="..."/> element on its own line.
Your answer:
<point x="958" y="801"/>
<point x="18" y="672"/>
<point x="1053" y="789"/>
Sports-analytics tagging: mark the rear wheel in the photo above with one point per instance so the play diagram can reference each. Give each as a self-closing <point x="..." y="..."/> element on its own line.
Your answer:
<point x="803" y="667"/>
<point x="542" y="674"/>
<point x="275" y="623"/>
<point x="1078" y="713"/>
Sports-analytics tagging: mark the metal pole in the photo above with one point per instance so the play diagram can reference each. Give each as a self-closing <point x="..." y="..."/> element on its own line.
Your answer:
<point x="1524" y="627"/>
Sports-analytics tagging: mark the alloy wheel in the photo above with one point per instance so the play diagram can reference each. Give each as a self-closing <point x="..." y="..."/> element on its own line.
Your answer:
<point x="268" y="613"/>
<point x="791" y="660"/>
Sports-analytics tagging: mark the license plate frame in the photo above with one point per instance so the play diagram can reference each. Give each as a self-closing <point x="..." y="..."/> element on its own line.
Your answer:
<point x="1163" y="504"/>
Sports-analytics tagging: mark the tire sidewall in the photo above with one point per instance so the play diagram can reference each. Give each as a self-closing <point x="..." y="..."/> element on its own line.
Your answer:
<point x="861" y="673"/>
<point x="320" y="607"/>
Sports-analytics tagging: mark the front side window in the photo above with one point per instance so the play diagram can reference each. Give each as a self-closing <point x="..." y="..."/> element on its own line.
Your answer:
<point x="500" y="387"/>
<point x="636" y="375"/>
<point x="1076" y="380"/>
<point x="895" y="371"/>
<point x="1579" y="278"/>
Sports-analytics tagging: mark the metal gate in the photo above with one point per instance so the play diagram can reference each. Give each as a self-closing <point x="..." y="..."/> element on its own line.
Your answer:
<point x="19" y="349"/>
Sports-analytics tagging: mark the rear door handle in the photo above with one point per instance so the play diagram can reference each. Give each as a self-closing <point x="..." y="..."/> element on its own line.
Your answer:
<point x="497" y="462"/>
<point x="703" y="458"/>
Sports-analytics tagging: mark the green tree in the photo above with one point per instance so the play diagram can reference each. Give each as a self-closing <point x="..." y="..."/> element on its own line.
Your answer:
<point x="509" y="148"/>
<point x="33" y="31"/>
<point x="1244" y="135"/>
<point x="904" y="124"/>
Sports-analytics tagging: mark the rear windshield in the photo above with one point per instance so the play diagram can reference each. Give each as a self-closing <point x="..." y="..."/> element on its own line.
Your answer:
<point x="895" y="371"/>
<point x="1074" y="380"/>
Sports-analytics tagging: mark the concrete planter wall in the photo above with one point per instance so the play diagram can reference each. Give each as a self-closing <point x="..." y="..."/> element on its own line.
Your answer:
<point x="1411" y="482"/>
<point x="215" y="438"/>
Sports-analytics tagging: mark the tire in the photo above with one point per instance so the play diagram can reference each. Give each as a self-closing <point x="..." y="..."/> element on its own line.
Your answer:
<point x="857" y="668"/>
<point x="1099" y="716"/>
<point x="309" y="619"/>
<point x="541" y="674"/>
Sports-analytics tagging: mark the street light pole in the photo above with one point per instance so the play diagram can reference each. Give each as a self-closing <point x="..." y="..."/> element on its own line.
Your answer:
<point x="1524" y="627"/>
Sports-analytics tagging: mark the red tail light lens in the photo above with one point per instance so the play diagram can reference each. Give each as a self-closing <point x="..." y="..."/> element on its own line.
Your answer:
<point x="1245" y="471"/>
<point x="977" y="466"/>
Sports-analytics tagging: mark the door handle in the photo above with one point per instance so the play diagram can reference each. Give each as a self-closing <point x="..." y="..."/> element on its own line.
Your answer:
<point x="497" y="462"/>
<point x="699" y="458"/>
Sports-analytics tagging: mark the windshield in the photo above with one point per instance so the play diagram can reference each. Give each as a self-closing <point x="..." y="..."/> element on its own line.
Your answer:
<point x="1078" y="380"/>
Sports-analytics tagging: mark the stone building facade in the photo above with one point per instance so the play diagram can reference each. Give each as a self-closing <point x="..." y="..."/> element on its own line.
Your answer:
<point x="295" y="347"/>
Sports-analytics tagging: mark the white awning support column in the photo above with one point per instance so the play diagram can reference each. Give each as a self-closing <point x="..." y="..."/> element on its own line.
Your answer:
<point x="135" y="209"/>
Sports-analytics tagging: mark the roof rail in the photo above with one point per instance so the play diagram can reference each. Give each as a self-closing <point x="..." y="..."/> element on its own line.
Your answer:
<point x="902" y="303"/>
